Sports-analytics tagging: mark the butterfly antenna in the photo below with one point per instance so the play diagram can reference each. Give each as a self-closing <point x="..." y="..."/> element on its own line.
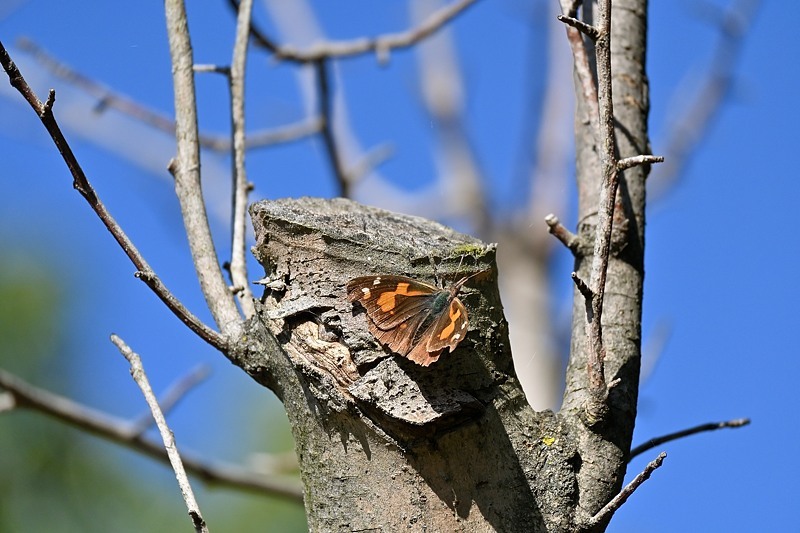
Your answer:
<point x="460" y="283"/>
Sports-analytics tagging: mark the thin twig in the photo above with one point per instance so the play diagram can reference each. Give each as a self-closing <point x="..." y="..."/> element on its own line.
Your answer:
<point x="616" y="502"/>
<point x="238" y="265"/>
<point x="583" y="71"/>
<point x="611" y="168"/>
<point x="587" y="29"/>
<point x="381" y="45"/>
<point x="186" y="170"/>
<point x="108" y="99"/>
<point x="713" y="426"/>
<point x="608" y="190"/>
<point x="212" y="69"/>
<point x="328" y="137"/>
<point x="140" y="377"/>
<point x="174" y="394"/>
<point x="637" y="160"/>
<point x="587" y="293"/>
<point x="284" y="134"/>
<point x="127" y="434"/>
<point x="260" y="38"/>
<point x="82" y="185"/>
<point x="560" y="232"/>
<point x="596" y="407"/>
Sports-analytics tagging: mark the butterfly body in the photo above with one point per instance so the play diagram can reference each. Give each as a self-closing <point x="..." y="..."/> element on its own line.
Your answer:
<point x="413" y="318"/>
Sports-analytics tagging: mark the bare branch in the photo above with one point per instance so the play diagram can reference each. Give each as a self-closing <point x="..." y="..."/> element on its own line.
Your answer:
<point x="616" y="502"/>
<point x="173" y="395"/>
<point x="212" y="69"/>
<point x="186" y="170"/>
<point x="630" y="162"/>
<point x="713" y="426"/>
<point x="81" y="184"/>
<point x="560" y="232"/>
<point x="584" y="73"/>
<point x="139" y="376"/>
<point x="108" y="99"/>
<point x="381" y="45"/>
<point x="587" y="29"/>
<point x="596" y="408"/>
<point x="585" y="290"/>
<point x="283" y="134"/>
<point x="238" y="266"/>
<point x="326" y="116"/>
<point x="259" y="37"/>
<point x="127" y="434"/>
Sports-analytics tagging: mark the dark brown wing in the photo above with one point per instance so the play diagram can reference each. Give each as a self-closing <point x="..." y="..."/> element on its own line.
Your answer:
<point x="400" y="338"/>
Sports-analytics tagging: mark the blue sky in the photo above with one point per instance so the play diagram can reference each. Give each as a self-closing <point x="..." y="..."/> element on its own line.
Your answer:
<point x="719" y="269"/>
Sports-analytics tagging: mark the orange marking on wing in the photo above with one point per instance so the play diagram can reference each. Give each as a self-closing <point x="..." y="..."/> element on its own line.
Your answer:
<point x="446" y="332"/>
<point x="387" y="300"/>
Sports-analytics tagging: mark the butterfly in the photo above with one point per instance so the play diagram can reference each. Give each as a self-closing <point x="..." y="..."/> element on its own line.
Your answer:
<point x="412" y="318"/>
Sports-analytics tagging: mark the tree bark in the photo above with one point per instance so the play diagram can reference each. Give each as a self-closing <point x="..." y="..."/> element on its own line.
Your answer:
<point x="609" y="446"/>
<point x="385" y="444"/>
<point x="382" y="442"/>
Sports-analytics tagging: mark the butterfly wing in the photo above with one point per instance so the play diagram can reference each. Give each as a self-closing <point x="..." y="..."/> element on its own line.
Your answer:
<point x="446" y="331"/>
<point x="398" y="306"/>
<point x="391" y="300"/>
<point x="401" y="338"/>
<point x="449" y="328"/>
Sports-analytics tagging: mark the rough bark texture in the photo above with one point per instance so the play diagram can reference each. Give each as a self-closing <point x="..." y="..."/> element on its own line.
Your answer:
<point x="609" y="445"/>
<point x="382" y="442"/>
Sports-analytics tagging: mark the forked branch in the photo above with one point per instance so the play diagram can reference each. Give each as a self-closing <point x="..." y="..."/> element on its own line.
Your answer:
<point x="381" y="45"/>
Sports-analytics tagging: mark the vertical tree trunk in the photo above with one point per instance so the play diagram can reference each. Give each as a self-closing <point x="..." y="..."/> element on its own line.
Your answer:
<point x="608" y="446"/>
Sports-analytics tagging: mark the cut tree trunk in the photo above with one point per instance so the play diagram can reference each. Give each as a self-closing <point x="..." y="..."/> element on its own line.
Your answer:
<point x="383" y="443"/>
